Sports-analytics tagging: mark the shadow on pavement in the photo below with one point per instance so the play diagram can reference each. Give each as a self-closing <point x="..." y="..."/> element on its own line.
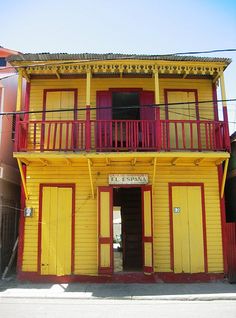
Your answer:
<point x="117" y="290"/>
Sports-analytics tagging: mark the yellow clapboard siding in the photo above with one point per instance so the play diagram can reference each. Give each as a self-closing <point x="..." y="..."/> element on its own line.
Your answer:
<point x="86" y="216"/>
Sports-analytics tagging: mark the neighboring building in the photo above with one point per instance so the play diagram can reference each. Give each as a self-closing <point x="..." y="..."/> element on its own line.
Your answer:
<point x="136" y="132"/>
<point x="9" y="175"/>
<point x="230" y="189"/>
<point x="230" y="204"/>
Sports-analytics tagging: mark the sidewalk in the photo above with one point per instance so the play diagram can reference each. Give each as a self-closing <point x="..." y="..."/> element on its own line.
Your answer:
<point x="11" y="288"/>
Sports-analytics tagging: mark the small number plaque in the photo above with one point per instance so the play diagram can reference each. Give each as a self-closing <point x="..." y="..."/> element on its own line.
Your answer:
<point x="28" y="212"/>
<point x="177" y="210"/>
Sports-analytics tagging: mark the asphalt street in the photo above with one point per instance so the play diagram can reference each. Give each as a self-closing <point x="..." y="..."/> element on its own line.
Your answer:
<point x="67" y="308"/>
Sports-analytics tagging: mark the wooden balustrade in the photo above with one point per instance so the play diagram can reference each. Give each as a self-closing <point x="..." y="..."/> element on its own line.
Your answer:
<point x="122" y="135"/>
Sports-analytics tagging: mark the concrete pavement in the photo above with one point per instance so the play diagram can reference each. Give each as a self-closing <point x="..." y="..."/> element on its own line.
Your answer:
<point x="11" y="288"/>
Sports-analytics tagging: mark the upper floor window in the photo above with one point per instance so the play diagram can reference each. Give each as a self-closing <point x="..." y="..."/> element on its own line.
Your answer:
<point x="60" y="104"/>
<point x="3" y="61"/>
<point x="125" y="105"/>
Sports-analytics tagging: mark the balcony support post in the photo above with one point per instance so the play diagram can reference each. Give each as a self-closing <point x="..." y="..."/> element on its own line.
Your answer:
<point x="154" y="175"/>
<point x="91" y="177"/>
<point x="88" y="88"/>
<point x="225" y="113"/>
<point x="23" y="178"/>
<point x="88" y="130"/>
<point x="157" y="111"/>
<point x="19" y="91"/>
<point x="88" y="122"/>
<point x="224" y="178"/>
<point x="157" y="88"/>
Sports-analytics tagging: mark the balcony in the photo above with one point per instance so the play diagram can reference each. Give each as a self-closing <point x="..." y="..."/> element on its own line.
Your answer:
<point x="121" y="135"/>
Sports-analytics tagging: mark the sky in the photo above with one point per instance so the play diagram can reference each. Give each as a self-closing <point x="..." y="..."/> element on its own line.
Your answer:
<point x="124" y="26"/>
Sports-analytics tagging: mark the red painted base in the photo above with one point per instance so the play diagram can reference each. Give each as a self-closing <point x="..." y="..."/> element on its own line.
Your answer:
<point x="123" y="278"/>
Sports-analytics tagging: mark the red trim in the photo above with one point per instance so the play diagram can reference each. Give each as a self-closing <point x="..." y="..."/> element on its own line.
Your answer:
<point x="215" y="103"/>
<point x="105" y="240"/>
<point x="189" y="278"/>
<point x="173" y="184"/>
<point x="223" y="221"/>
<point x="171" y="229"/>
<point x="227" y="137"/>
<point x="148" y="239"/>
<point x="58" y="185"/>
<point x="75" y="90"/>
<point x="123" y="278"/>
<point x="105" y="270"/>
<point x="166" y="90"/>
<point x="126" y="90"/>
<point x="204" y="227"/>
<point x="148" y="269"/>
<point x="21" y="227"/>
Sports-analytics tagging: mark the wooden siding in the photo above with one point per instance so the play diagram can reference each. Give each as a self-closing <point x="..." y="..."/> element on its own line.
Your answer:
<point x="86" y="245"/>
<point x="204" y="88"/>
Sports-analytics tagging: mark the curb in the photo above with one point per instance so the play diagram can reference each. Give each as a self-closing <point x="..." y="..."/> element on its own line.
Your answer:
<point x="194" y="297"/>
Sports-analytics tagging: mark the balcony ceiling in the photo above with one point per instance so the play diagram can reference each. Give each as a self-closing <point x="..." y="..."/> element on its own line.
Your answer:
<point x="121" y="158"/>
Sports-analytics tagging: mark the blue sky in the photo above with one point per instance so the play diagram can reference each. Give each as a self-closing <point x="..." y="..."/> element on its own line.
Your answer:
<point x="151" y="27"/>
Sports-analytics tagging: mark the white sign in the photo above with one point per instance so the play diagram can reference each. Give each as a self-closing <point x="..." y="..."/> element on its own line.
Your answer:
<point x="128" y="178"/>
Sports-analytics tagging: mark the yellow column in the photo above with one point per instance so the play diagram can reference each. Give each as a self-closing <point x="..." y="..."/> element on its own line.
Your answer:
<point x="23" y="179"/>
<point x="223" y="92"/>
<point x="224" y="178"/>
<point x="157" y="88"/>
<point x="19" y="91"/>
<point x="88" y="88"/>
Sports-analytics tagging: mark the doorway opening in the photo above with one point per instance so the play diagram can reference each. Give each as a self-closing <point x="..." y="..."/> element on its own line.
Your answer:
<point x="125" y="105"/>
<point x="127" y="229"/>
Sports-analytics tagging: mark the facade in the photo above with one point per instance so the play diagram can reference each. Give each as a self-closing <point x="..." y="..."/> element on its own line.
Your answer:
<point x="121" y="139"/>
<point x="9" y="175"/>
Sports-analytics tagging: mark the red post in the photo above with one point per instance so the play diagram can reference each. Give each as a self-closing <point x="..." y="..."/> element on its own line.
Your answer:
<point x="158" y="128"/>
<point x="226" y="129"/>
<point x="88" y="130"/>
<point x="17" y="131"/>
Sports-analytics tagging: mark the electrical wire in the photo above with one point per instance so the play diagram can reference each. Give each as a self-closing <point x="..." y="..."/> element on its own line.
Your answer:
<point x="110" y="107"/>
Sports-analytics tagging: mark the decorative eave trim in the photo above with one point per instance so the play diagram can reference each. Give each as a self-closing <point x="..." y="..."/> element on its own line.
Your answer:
<point x="129" y="67"/>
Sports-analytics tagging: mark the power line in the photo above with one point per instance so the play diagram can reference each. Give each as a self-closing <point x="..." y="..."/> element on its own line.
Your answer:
<point x="203" y="52"/>
<point x="117" y="108"/>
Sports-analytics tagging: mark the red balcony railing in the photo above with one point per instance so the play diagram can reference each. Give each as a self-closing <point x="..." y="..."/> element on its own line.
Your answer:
<point x="122" y="135"/>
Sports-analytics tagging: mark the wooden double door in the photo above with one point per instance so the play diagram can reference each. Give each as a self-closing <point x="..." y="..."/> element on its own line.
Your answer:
<point x="56" y="223"/>
<point x="137" y="228"/>
<point x="188" y="224"/>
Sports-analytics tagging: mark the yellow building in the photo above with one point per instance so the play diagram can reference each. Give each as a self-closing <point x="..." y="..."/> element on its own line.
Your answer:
<point x="137" y="135"/>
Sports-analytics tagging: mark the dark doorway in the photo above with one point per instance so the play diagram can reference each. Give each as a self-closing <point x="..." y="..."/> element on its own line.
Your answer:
<point x="128" y="254"/>
<point x="125" y="105"/>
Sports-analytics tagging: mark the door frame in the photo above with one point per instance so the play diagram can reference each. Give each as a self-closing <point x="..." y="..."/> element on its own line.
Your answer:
<point x="184" y="184"/>
<point x="57" y="185"/>
<point x="110" y="189"/>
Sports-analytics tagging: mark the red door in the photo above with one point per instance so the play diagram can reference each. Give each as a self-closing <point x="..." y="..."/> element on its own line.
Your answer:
<point x="104" y="117"/>
<point x="147" y="113"/>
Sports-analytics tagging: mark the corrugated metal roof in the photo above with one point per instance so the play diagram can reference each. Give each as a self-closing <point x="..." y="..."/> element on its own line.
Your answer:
<point x="110" y="56"/>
